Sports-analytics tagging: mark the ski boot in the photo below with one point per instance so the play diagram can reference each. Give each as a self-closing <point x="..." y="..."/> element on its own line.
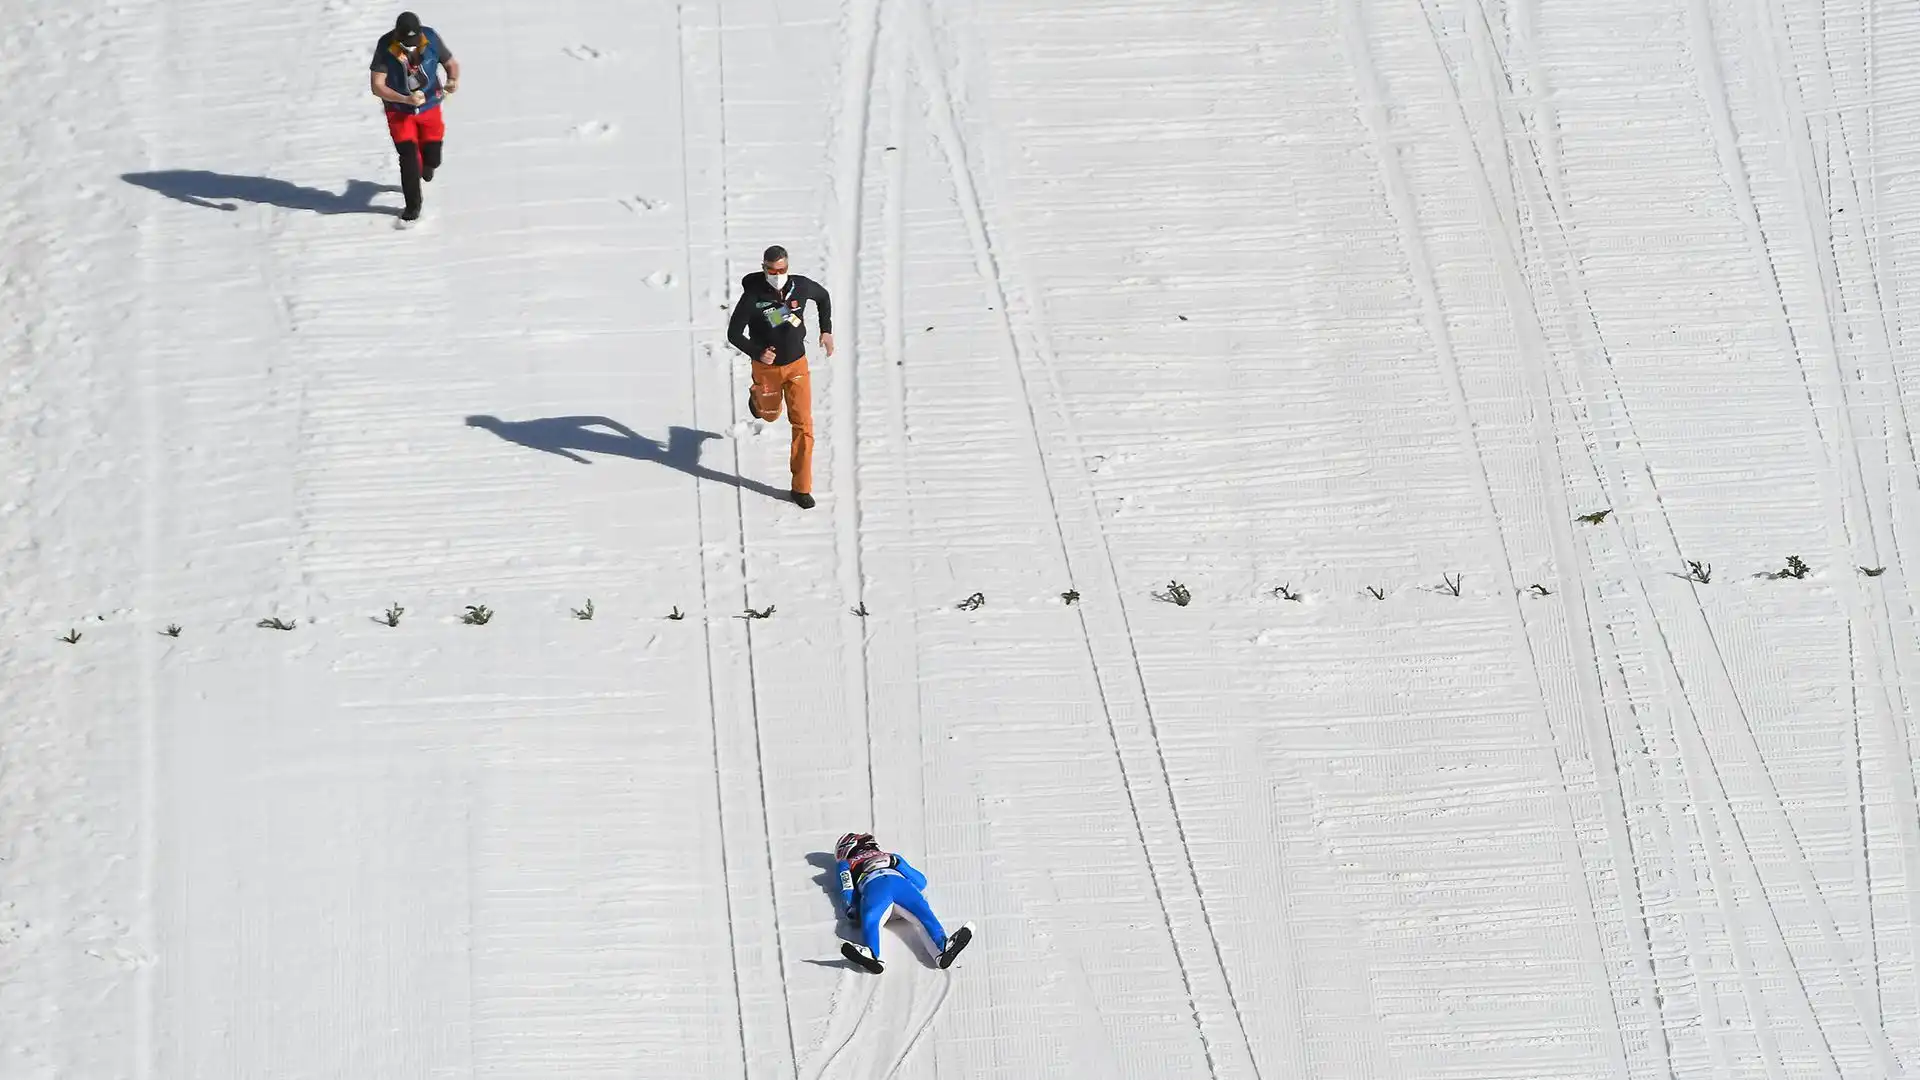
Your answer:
<point x="860" y="956"/>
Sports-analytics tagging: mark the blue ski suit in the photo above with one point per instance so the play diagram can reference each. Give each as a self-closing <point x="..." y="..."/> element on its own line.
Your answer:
<point x="881" y="884"/>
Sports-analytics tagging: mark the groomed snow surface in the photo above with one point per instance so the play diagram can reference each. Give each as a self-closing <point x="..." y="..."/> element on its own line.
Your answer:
<point x="1339" y="295"/>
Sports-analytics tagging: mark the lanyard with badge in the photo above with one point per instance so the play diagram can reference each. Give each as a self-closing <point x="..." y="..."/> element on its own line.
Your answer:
<point x="786" y="312"/>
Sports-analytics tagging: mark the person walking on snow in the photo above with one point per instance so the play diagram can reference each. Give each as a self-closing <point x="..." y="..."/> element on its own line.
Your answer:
<point x="873" y="883"/>
<point x="406" y="75"/>
<point x="769" y="325"/>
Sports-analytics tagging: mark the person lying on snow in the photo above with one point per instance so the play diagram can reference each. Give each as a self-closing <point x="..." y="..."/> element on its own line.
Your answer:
<point x="873" y="884"/>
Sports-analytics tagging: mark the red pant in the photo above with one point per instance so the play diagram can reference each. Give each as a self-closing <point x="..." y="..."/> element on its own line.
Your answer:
<point x="772" y="385"/>
<point x="426" y="127"/>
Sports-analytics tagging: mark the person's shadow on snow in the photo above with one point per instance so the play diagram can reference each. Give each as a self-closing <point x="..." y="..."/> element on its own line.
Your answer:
<point x="829" y="878"/>
<point x="221" y="191"/>
<point x="563" y="435"/>
<point x="829" y="882"/>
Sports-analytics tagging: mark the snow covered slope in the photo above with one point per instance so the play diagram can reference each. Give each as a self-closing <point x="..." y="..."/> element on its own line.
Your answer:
<point x="1348" y="297"/>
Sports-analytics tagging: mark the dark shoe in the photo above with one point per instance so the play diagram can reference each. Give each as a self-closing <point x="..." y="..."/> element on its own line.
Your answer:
<point x="411" y="213"/>
<point x="751" y="411"/>
<point x="805" y="500"/>
<point x="426" y="173"/>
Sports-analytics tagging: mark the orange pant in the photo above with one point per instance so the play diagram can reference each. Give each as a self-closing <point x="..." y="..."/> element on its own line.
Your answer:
<point x="770" y="385"/>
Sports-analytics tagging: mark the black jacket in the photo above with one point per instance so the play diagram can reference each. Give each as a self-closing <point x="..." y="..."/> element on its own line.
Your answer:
<point x="764" y="318"/>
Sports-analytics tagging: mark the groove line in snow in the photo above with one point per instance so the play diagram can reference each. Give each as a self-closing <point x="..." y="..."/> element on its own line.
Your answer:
<point x="845" y="241"/>
<point x="1701" y="768"/>
<point x="1702" y="779"/>
<point x="1709" y="791"/>
<point x="1534" y="355"/>
<point x="1646" y="618"/>
<point x="947" y="132"/>
<point x="700" y="527"/>
<point x="1537" y="175"/>
<point x="1897" y="439"/>
<point x="153" y="477"/>
<point x="892" y="317"/>
<point x="762" y="788"/>
<point x="1787" y="114"/>
<point x="1708" y="786"/>
<point x="1733" y="167"/>
<point x="855" y="1013"/>
<point x="1400" y="197"/>
<point x="1901" y="460"/>
<point x="147" y="930"/>
<point x="1751" y="986"/>
<point x="1694" y="765"/>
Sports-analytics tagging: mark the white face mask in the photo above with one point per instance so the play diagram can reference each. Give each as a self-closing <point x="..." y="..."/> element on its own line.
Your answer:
<point x="778" y="281"/>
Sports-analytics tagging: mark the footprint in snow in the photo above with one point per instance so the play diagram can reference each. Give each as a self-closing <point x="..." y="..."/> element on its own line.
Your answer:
<point x="584" y="52"/>
<point x="660" y="279"/>
<point x="640" y="205"/>
<point x="594" y="129"/>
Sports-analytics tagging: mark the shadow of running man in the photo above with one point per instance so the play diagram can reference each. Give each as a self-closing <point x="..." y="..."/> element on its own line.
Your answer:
<point x="564" y="435"/>
<point x="198" y="187"/>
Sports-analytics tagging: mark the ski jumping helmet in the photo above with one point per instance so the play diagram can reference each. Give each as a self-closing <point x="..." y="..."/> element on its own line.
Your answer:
<point x="851" y="843"/>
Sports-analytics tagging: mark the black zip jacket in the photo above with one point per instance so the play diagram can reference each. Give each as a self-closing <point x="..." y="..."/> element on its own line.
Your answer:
<point x="766" y="319"/>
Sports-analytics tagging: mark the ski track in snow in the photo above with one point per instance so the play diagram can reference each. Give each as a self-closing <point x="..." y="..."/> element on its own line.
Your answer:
<point x="1229" y="293"/>
<point x="695" y="354"/>
<point x="1135" y="709"/>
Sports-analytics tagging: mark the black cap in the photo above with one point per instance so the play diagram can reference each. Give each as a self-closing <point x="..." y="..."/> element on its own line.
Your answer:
<point x="407" y="26"/>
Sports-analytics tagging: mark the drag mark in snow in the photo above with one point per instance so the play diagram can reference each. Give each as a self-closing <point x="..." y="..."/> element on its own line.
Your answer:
<point x="897" y="750"/>
<point x="867" y="1017"/>
<point x="920" y="1026"/>
<point x="844" y="245"/>
<point x="846" y="1021"/>
<point x="893" y="314"/>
